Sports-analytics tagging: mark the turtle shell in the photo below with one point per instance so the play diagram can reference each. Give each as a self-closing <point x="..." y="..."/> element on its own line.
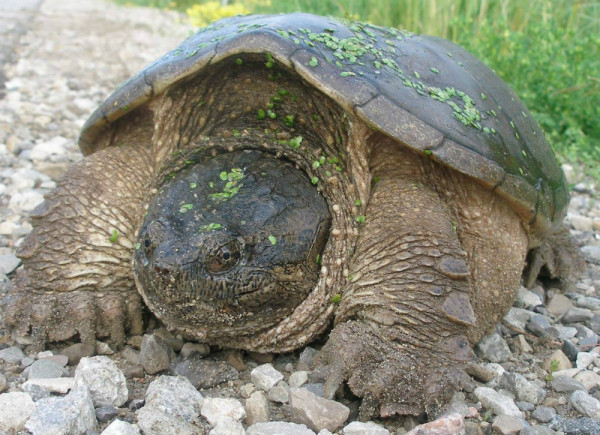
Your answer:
<point x="425" y="92"/>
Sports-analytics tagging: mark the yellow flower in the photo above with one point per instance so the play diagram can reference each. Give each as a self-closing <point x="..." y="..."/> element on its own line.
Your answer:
<point x="203" y="14"/>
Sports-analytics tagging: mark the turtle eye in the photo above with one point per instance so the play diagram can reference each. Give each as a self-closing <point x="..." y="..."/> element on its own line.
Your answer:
<point x="224" y="258"/>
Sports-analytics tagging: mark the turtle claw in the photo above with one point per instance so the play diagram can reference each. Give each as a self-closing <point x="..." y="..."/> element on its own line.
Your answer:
<point x="59" y="316"/>
<point x="390" y="377"/>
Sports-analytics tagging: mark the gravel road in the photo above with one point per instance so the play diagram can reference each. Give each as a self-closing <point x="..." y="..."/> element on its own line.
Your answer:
<point x="539" y="373"/>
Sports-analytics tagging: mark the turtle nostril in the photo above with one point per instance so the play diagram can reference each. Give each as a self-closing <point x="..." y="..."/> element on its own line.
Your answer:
<point x="161" y="270"/>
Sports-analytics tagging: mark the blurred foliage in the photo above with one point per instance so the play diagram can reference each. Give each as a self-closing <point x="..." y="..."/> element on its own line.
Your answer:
<point x="548" y="51"/>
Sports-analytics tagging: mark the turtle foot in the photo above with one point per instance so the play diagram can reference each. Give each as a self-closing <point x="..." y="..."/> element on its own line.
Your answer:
<point x="59" y="316"/>
<point x="390" y="377"/>
<point x="558" y="257"/>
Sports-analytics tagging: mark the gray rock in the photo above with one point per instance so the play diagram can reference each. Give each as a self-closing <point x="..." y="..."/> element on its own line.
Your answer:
<point x="543" y="414"/>
<point x="523" y="389"/>
<point x="257" y="408"/>
<point x="580" y="426"/>
<point x="194" y="350"/>
<point x="316" y="389"/>
<point x="527" y="299"/>
<point x="155" y="354"/>
<point x="228" y="426"/>
<point x="575" y="315"/>
<point x="493" y="348"/>
<point x="279" y="393"/>
<point x="278" y="428"/>
<point x="498" y="403"/>
<point x="537" y="323"/>
<point x="586" y="404"/>
<point x="120" y="427"/>
<point x="36" y="392"/>
<point x="589" y="302"/>
<point x="136" y="404"/>
<point x="559" y="304"/>
<point x="307" y="359"/>
<point x="71" y="414"/>
<point x="106" y="413"/>
<point x="297" y="379"/>
<point x="592" y="253"/>
<point x="563" y="332"/>
<point x="131" y="355"/>
<point x="3" y="383"/>
<point x="15" y="410"/>
<point x="517" y="318"/>
<point x="205" y="373"/>
<point x="172" y="405"/>
<point x="216" y="408"/>
<point x="77" y="351"/>
<point x="564" y="384"/>
<point x="45" y="368"/>
<point x="507" y="425"/>
<point x="104" y="380"/>
<point x="570" y="350"/>
<point x="368" y="428"/>
<point x="12" y="355"/>
<point x="316" y="412"/>
<point x="525" y="406"/>
<point x="265" y="377"/>
<point x="8" y="263"/>
<point x="319" y="374"/>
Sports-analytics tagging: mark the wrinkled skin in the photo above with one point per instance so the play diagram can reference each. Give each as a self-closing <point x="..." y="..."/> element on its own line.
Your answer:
<point x="417" y="262"/>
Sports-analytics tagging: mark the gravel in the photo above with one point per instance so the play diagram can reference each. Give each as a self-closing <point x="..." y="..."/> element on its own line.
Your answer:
<point x="539" y="370"/>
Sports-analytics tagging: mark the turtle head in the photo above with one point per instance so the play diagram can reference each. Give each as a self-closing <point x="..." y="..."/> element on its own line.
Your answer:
<point x="228" y="245"/>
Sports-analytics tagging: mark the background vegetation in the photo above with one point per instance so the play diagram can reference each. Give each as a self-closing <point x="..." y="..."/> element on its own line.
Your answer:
<point x="548" y="51"/>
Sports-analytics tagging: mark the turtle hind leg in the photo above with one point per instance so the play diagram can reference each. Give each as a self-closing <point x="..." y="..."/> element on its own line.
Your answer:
<point x="76" y="277"/>
<point x="404" y="326"/>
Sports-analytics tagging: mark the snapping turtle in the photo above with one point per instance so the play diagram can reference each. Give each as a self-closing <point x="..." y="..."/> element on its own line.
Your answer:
<point x="275" y="173"/>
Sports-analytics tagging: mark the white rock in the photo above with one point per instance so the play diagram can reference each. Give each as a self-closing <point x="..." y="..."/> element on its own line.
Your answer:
<point x="317" y="412"/>
<point x="297" y="379"/>
<point x="15" y="409"/>
<point x="265" y="377"/>
<point x="8" y="263"/>
<point x="586" y="404"/>
<point x="527" y="298"/>
<point x="584" y="359"/>
<point x="120" y="427"/>
<point x="497" y="402"/>
<point x="588" y="379"/>
<point x="54" y="385"/>
<point x="228" y="426"/>
<point x="257" y="408"/>
<point x="569" y="373"/>
<point x="582" y="223"/>
<point x="368" y="428"/>
<point x="105" y="381"/>
<point x="216" y="409"/>
<point x="172" y="405"/>
<point x="71" y="414"/>
<point x="25" y="201"/>
<point x="278" y="428"/>
<point x="55" y="146"/>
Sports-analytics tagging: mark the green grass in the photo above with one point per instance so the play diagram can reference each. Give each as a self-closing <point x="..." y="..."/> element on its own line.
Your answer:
<point x="548" y="51"/>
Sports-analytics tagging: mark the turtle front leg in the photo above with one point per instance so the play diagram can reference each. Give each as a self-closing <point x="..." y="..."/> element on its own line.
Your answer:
<point x="409" y="314"/>
<point x="76" y="277"/>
